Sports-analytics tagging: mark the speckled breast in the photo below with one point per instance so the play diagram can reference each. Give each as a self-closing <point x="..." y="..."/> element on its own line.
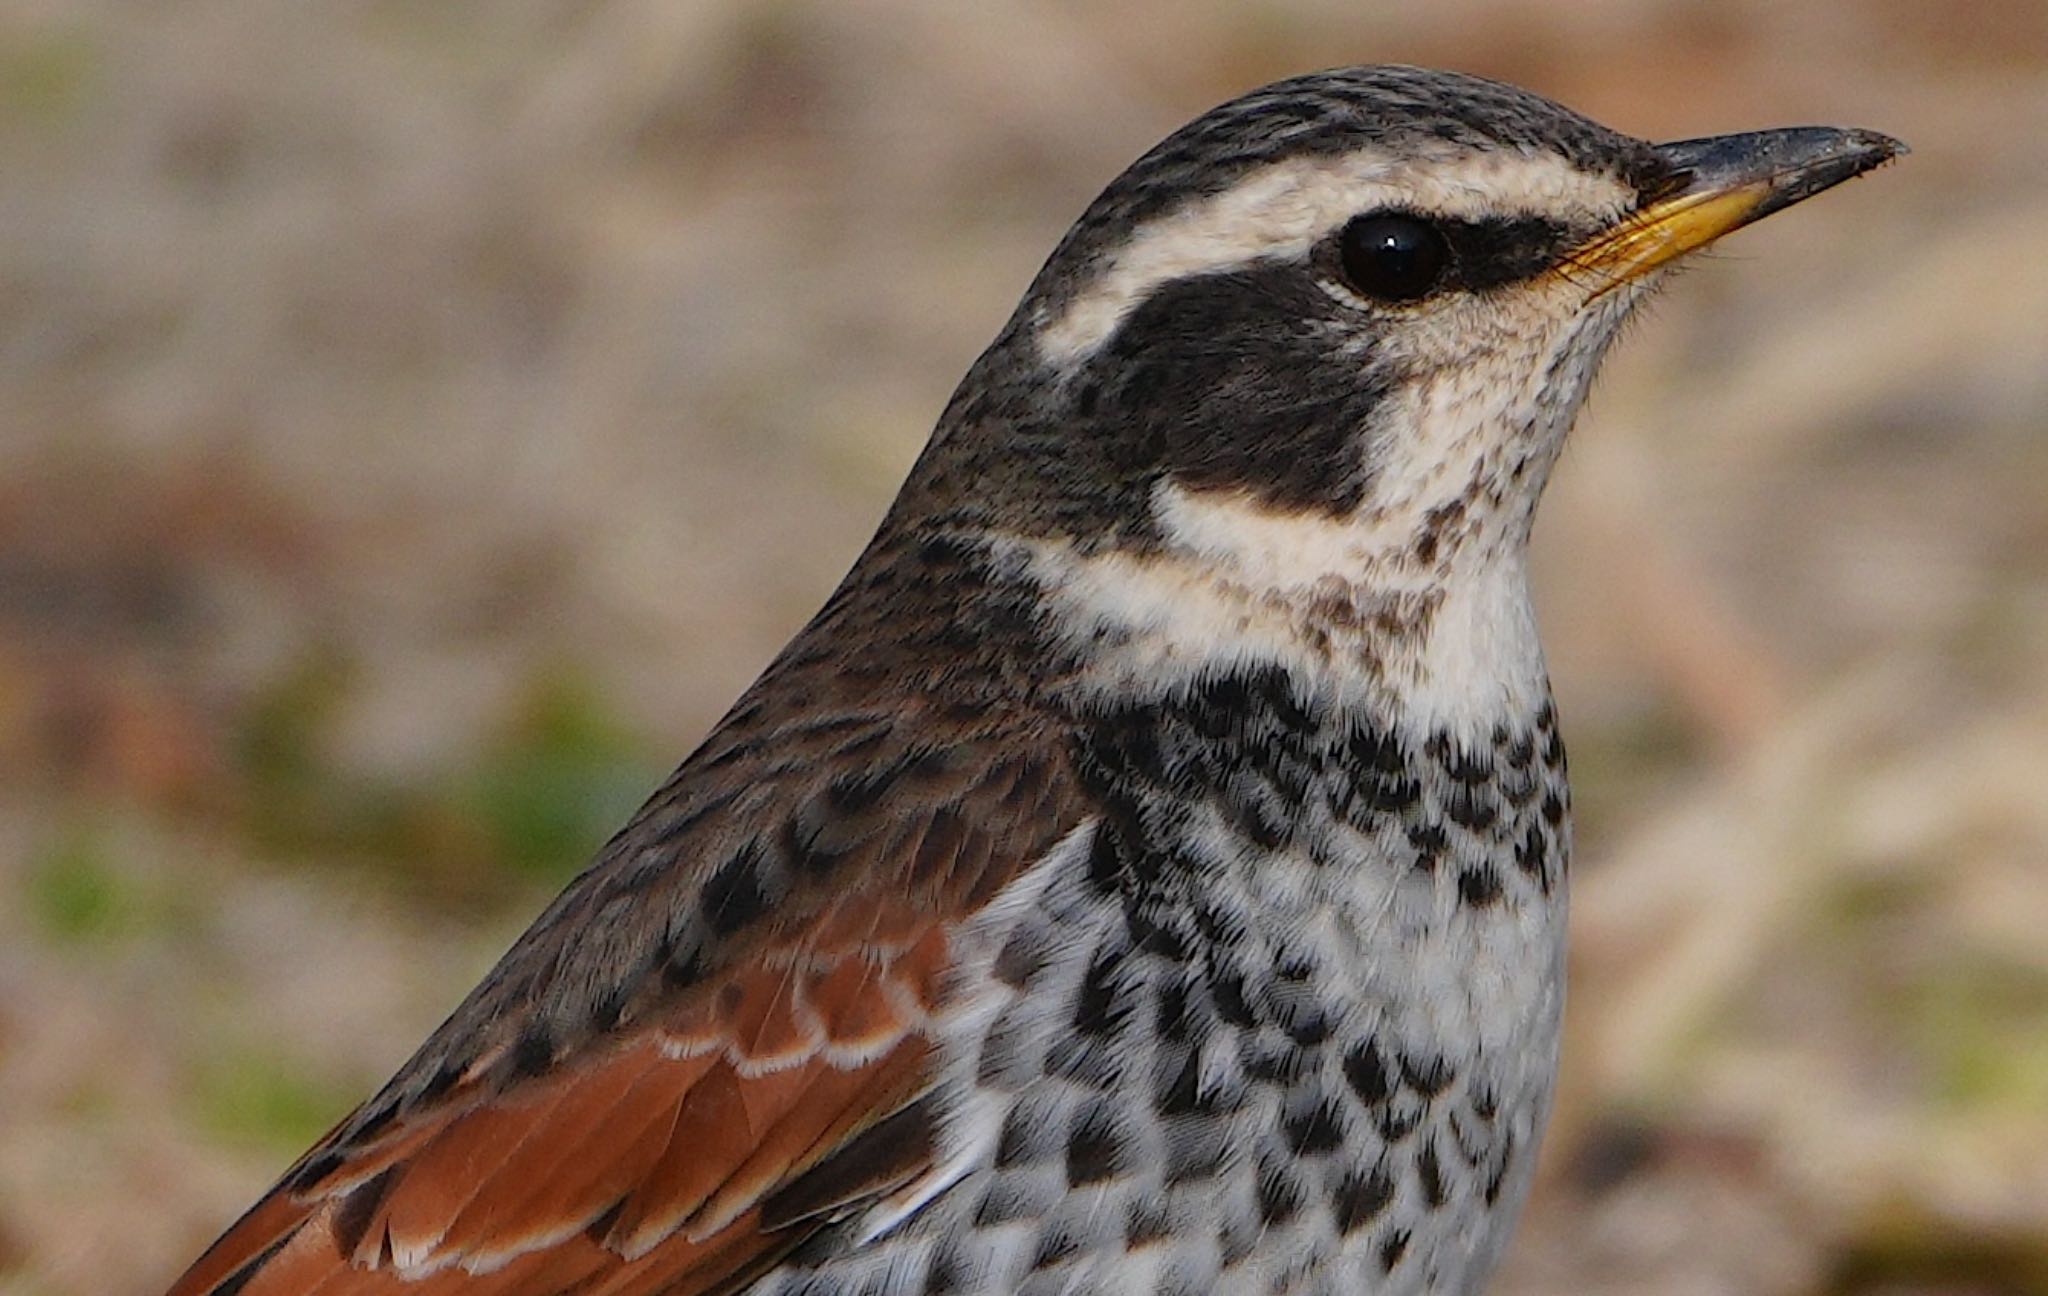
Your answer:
<point x="1284" y="1019"/>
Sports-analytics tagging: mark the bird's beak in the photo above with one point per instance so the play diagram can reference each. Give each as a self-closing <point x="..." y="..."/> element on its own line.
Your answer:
<point x="1721" y="184"/>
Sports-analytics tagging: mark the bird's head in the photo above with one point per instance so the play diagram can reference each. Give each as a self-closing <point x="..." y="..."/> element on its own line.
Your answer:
<point x="1339" y="327"/>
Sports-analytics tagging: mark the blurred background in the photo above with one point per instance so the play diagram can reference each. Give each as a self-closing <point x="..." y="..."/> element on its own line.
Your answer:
<point x="422" y="419"/>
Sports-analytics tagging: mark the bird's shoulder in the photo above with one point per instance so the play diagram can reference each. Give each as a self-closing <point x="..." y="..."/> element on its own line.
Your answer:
<point x="718" y="1036"/>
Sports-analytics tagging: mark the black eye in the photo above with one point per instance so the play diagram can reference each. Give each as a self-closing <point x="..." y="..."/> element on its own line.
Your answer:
<point x="1391" y="257"/>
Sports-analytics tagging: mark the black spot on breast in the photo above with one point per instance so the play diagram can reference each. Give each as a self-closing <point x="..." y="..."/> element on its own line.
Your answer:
<point x="1381" y="780"/>
<point x="1429" y="1174"/>
<point x="1236" y="1242"/>
<point x="1087" y="1060"/>
<point x="1279" y="1196"/>
<point x="1429" y="842"/>
<point x="1274" y="688"/>
<point x="1485" y="1103"/>
<point x="1181" y="1095"/>
<point x="1375" y="750"/>
<point x="1002" y="1063"/>
<point x="946" y="1274"/>
<point x="1158" y="930"/>
<point x="1307" y="1024"/>
<point x="1123" y="745"/>
<point x="1226" y="991"/>
<point x="1519" y="787"/>
<point x="1191" y="1159"/>
<point x="1360" y="1198"/>
<point x="1257" y="816"/>
<point x="1022" y="957"/>
<point x="1497" y="1179"/>
<point x="1095" y="1147"/>
<point x="1319" y="1129"/>
<point x="1459" y="765"/>
<point x="1397" y="1121"/>
<point x="1055" y="1247"/>
<point x="1479" y="887"/>
<point x="1471" y="808"/>
<point x="1099" y="1010"/>
<point x="1392" y="1249"/>
<point x="1220" y="705"/>
<point x="1367" y="1073"/>
<point x="1428" y="1076"/>
<point x="1395" y="794"/>
<point x="1221" y="929"/>
<point x="1273" y="1062"/>
<point x="1146" y="1222"/>
<point x="1108" y="861"/>
<point x="1004" y="1203"/>
<point x="1022" y="1142"/>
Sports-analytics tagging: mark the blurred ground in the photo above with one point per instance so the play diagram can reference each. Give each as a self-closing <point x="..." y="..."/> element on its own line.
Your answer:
<point x="422" y="419"/>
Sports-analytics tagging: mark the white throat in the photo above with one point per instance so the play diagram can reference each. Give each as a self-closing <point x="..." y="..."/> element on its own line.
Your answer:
<point x="1331" y="600"/>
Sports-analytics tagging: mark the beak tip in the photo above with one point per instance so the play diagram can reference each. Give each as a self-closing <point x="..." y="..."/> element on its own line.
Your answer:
<point x="1882" y="147"/>
<point x="1854" y="152"/>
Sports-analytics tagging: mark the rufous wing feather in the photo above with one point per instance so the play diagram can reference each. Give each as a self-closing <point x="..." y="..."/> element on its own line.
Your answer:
<point x="717" y="1040"/>
<point x="629" y="1170"/>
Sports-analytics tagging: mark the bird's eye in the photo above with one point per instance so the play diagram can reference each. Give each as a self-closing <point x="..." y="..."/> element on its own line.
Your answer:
<point x="1392" y="257"/>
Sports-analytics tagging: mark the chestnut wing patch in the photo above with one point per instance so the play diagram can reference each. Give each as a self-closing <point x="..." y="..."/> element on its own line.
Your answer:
<point x="716" y="1042"/>
<point x="698" y="1127"/>
<point x="642" y="1168"/>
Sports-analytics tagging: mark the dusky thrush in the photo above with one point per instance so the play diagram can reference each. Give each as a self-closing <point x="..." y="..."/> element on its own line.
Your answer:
<point x="1147" y="872"/>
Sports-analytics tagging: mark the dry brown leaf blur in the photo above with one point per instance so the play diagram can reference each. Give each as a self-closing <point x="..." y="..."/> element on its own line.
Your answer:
<point x="421" y="419"/>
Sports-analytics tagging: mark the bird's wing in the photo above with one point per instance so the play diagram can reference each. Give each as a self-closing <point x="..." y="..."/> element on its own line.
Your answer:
<point x="712" y="1045"/>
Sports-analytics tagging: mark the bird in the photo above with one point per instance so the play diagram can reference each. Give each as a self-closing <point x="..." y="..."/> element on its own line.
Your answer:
<point x="1147" y="873"/>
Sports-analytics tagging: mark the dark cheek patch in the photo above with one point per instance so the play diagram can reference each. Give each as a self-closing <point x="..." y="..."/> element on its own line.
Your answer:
<point x="1258" y="381"/>
<point x="1240" y="381"/>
